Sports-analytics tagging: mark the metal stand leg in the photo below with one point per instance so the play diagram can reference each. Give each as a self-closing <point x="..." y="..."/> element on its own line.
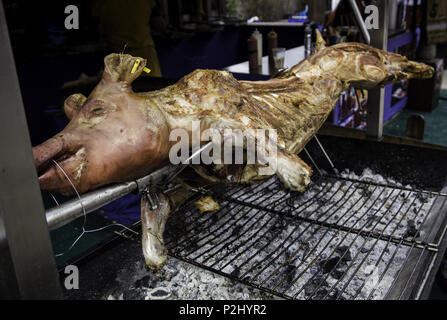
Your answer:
<point x="379" y="39"/>
<point x="27" y="266"/>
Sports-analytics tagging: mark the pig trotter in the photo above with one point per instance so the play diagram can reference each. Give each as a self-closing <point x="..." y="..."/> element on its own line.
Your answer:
<point x="293" y="172"/>
<point x="153" y="221"/>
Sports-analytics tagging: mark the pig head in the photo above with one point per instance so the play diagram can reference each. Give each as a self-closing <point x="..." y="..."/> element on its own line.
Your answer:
<point x="114" y="135"/>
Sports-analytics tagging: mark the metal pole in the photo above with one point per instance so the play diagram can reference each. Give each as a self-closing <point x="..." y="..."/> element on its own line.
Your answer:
<point x="70" y="210"/>
<point x="27" y="266"/>
<point x="376" y="97"/>
<point x="360" y="22"/>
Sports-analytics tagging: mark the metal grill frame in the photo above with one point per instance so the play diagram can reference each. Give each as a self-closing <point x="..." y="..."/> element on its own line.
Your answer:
<point x="421" y="252"/>
<point x="412" y="280"/>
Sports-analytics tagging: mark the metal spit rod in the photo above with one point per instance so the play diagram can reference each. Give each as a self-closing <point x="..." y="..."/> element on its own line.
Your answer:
<point x="91" y="201"/>
<point x="70" y="210"/>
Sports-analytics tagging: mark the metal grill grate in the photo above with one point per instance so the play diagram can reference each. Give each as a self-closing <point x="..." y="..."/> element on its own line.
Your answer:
<point x="341" y="239"/>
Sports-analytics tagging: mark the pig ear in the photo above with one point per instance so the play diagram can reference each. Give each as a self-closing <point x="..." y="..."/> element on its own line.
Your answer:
<point x="73" y="104"/>
<point x="122" y="67"/>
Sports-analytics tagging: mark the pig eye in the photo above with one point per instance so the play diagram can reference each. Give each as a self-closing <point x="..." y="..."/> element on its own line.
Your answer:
<point x="97" y="111"/>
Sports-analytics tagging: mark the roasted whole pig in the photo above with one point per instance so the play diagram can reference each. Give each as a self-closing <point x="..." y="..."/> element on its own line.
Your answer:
<point x="116" y="135"/>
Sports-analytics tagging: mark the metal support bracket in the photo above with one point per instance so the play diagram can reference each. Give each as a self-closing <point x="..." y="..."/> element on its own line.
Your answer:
<point x="376" y="97"/>
<point x="360" y="22"/>
<point x="152" y="198"/>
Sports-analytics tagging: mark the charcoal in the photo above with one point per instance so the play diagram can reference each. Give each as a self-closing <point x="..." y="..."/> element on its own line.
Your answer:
<point x="235" y="273"/>
<point x="134" y="294"/>
<point x="366" y="193"/>
<point x="320" y="294"/>
<point x="365" y="250"/>
<point x="306" y="248"/>
<point x="411" y="230"/>
<point x="160" y="293"/>
<point x="236" y="230"/>
<point x="289" y="253"/>
<point x="371" y="219"/>
<point x="214" y="219"/>
<point x="421" y="197"/>
<point x="220" y="190"/>
<point x="290" y="271"/>
<point x="294" y="197"/>
<point x="337" y="274"/>
<point x="345" y="252"/>
<point x="146" y="281"/>
<point x="312" y="285"/>
<point x="335" y="295"/>
<point x="327" y="265"/>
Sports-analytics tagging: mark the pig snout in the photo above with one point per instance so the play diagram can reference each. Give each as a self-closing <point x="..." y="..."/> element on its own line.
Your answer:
<point x="52" y="177"/>
<point x="45" y="152"/>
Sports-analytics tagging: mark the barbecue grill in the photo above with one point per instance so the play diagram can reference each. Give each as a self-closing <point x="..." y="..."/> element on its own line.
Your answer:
<point x="344" y="238"/>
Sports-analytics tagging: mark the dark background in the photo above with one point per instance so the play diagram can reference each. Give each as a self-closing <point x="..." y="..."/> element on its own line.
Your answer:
<point x="47" y="55"/>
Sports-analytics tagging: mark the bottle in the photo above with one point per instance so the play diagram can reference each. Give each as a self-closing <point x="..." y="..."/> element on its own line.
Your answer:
<point x="258" y="37"/>
<point x="252" y="45"/>
<point x="307" y="41"/>
<point x="272" y="42"/>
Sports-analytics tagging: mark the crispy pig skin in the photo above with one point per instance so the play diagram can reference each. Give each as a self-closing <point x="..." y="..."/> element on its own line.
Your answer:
<point x="116" y="135"/>
<point x="296" y="103"/>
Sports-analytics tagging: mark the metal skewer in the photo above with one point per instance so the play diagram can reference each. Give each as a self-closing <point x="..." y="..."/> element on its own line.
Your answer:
<point x="325" y="154"/>
<point x="186" y="162"/>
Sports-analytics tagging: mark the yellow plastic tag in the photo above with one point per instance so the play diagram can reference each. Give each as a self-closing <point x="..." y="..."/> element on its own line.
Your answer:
<point x="147" y="70"/>
<point x="135" y="66"/>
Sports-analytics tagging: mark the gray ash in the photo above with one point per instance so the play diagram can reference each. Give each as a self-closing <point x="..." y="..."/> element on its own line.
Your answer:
<point x="300" y="258"/>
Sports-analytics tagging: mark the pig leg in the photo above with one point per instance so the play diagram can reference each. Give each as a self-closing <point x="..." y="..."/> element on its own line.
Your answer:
<point x="153" y="225"/>
<point x="153" y="222"/>
<point x="293" y="172"/>
<point x="274" y="159"/>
